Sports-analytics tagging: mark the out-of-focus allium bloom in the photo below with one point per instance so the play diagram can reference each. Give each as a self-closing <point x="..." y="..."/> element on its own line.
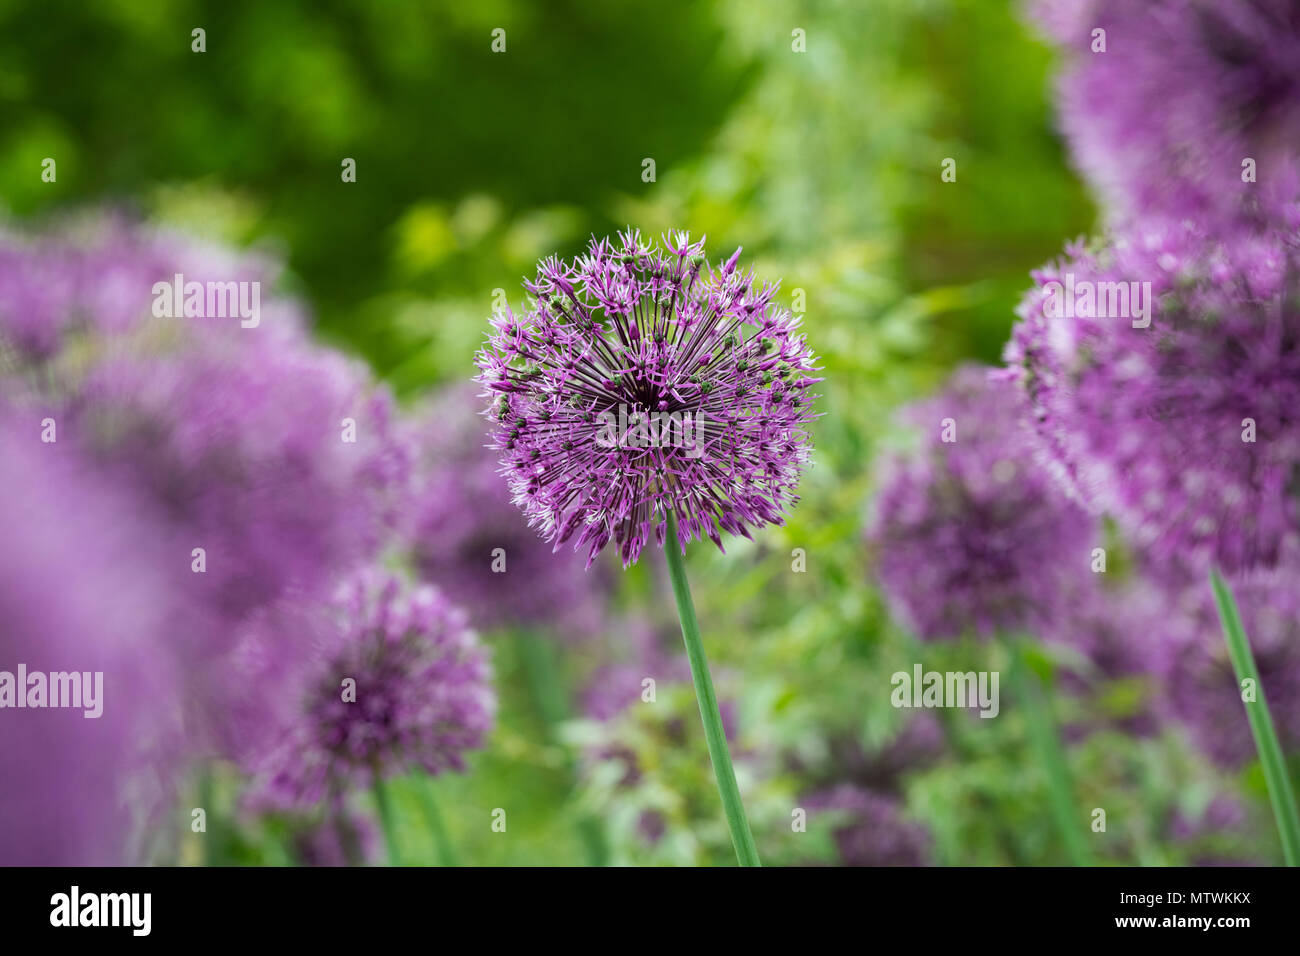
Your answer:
<point x="870" y="830"/>
<point x="244" y="441"/>
<point x="95" y="274"/>
<point x="1202" y="687"/>
<point x="422" y="693"/>
<point x="1187" y="431"/>
<point x="1185" y="91"/>
<point x="971" y="535"/>
<point x="239" y="436"/>
<point x="462" y="514"/>
<point x="640" y="380"/>
<point x="81" y="597"/>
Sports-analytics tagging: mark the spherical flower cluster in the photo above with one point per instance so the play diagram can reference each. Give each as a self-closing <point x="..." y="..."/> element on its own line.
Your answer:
<point x="1183" y="423"/>
<point x="276" y="457"/>
<point x="1185" y="92"/>
<point x="870" y="829"/>
<point x="640" y="382"/>
<point x="399" y="682"/>
<point x="467" y="537"/>
<point x="969" y="534"/>
<point x="1203" y="690"/>
<point x="95" y="273"/>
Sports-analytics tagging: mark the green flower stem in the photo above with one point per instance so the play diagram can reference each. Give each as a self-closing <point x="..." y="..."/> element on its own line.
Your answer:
<point x="741" y="838"/>
<point x="1280" y="794"/>
<point x="386" y="819"/>
<point x="433" y="816"/>
<point x="1044" y="738"/>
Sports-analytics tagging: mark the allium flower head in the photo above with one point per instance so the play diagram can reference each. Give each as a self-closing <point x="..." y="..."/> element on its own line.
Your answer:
<point x="422" y="692"/>
<point x="236" y="437"/>
<point x="1187" y="430"/>
<point x="1185" y="91"/>
<point x="641" y="380"/>
<point x="94" y="273"/>
<point x="970" y="534"/>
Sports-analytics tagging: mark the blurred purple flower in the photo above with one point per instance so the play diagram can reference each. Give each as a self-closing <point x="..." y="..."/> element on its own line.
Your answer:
<point x="869" y="828"/>
<point x="421" y="694"/>
<point x="241" y="442"/>
<point x="1187" y="431"/>
<point x="82" y="593"/>
<point x="971" y="535"/>
<point x="235" y="436"/>
<point x="626" y="334"/>
<point x="1202" y="687"/>
<point x="94" y="273"/>
<point x="1184" y="92"/>
<point x="462" y="514"/>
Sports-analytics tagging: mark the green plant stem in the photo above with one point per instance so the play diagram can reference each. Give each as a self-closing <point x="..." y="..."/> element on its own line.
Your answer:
<point x="386" y="819"/>
<point x="433" y="815"/>
<point x="741" y="837"/>
<point x="1043" y="736"/>
<point x="1280" y="793"/>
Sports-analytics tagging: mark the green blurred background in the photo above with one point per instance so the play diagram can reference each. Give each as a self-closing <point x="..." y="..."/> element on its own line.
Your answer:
<point x="471" y="164"/>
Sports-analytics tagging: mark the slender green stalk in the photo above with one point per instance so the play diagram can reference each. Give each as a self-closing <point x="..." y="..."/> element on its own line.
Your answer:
<point x="741" y="838"/>
<point x="1043" y="736"/>
<point x="433" y="815"/>
<point x="386" y="819"/>
<point x="1280" y="794"/>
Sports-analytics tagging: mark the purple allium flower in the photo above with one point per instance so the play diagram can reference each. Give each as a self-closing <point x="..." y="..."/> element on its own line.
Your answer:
<point x="641" y="380"/>
<point x="394" y="680"/>
<point x="869" y="828"/>
<point x="1187" y="430"/>
<point x="82" y="595"/>
<point x="463" y="514"/>
<point x="94" y="273"/>
<point x="1202" y="687"/>
<point x="1185" y="91"/>
<point x="242" y="441"/>
<point x="969" y="534"/>
<point x="236" y="435"/>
